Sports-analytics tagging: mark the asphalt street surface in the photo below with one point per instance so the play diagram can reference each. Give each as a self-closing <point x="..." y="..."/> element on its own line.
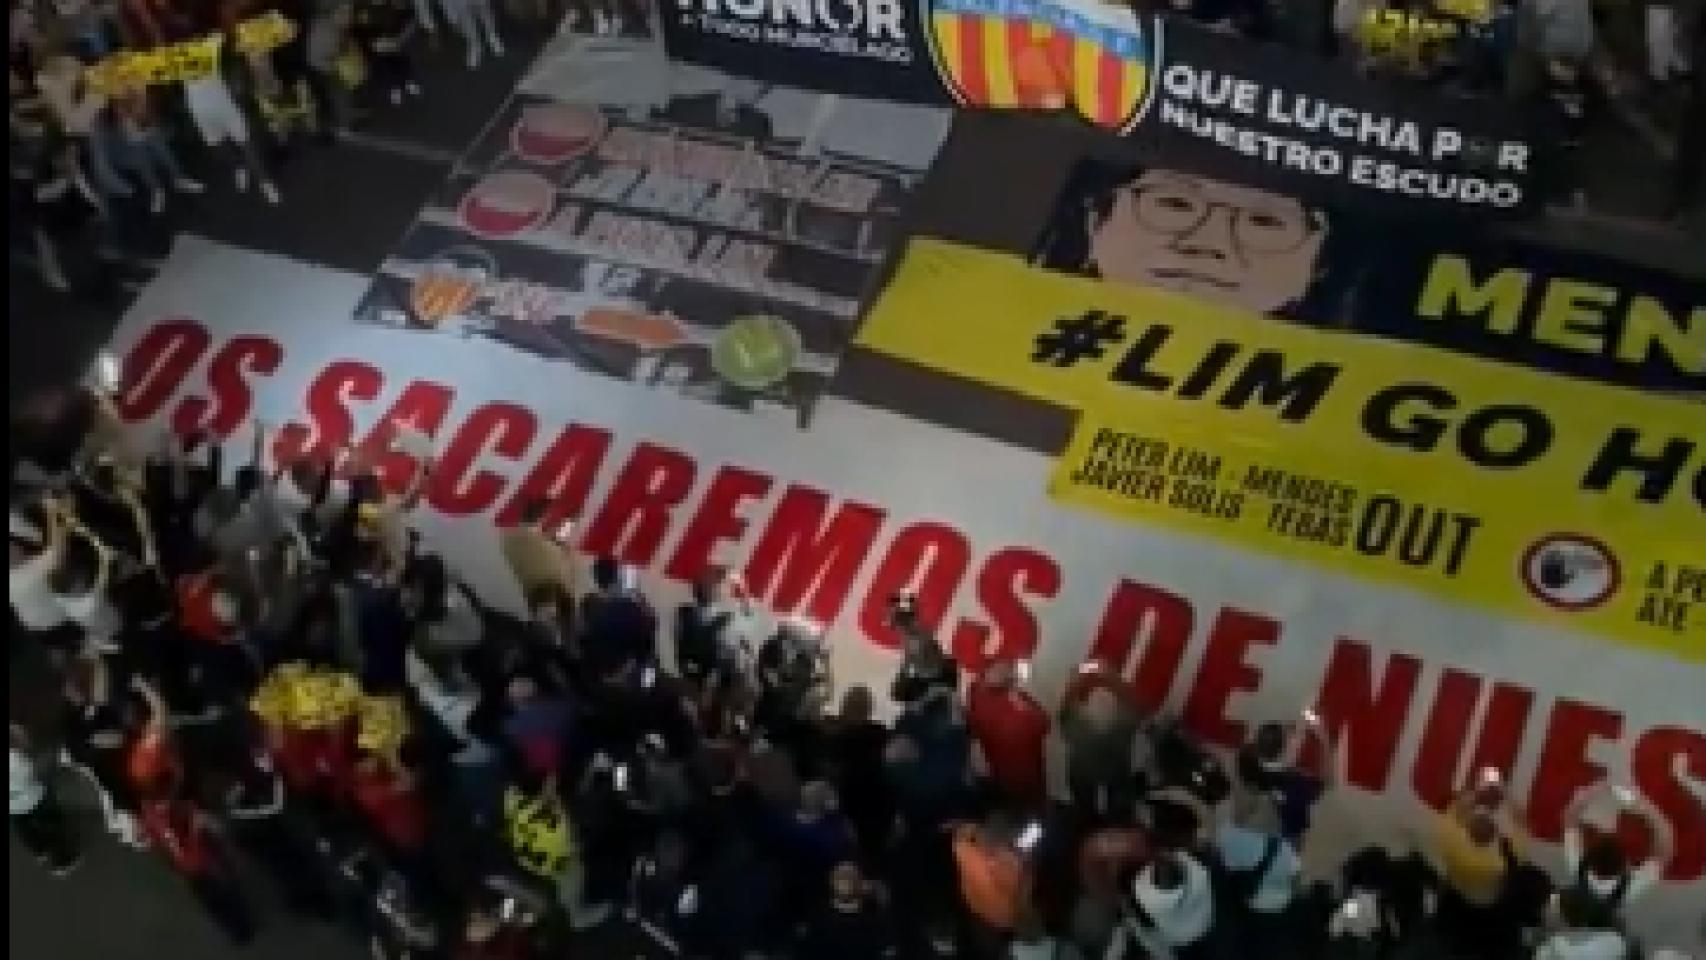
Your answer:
<point x="345" y="207"/>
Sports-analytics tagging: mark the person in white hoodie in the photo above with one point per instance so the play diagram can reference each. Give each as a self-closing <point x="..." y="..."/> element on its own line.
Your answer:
<point x="37" y="539"/>
<point x="60" y="574"/>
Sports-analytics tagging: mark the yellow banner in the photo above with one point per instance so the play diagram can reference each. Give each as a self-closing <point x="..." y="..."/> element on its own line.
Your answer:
<point x="1556" y="500"/>
<point x="133" y="70"/>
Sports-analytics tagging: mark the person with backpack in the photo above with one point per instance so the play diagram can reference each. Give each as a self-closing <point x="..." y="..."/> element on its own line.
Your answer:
<point x="1261" y="876"/>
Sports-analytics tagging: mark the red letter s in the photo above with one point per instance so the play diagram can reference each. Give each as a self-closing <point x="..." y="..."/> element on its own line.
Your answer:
<point x="1008" y="576"/>
<point x="229" y="400"/>
<point x="1663" y="759"/>
<point x="330" y="426"/>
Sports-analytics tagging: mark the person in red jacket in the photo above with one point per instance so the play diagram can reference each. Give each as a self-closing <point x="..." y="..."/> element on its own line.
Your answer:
<point x="386" y="794"/>
<point x="1011" y="729"/>
<point x="177" y="828"/>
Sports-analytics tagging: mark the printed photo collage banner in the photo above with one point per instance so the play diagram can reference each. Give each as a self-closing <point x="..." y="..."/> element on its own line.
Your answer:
<point x="1203" y="100"/>
<point x="708" y="235"/>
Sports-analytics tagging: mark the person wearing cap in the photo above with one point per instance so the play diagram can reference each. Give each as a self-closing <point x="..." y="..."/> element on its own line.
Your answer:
<point x="1011" y="731"/>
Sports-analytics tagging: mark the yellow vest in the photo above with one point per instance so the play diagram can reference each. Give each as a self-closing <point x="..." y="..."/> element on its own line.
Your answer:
<point x="538" y="832"/>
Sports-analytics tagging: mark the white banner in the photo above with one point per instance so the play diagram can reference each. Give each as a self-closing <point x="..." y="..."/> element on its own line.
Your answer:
<point x="832" y="522"/>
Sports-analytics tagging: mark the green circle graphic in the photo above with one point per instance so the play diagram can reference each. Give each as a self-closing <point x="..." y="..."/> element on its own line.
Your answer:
<point x="756" y="351"/>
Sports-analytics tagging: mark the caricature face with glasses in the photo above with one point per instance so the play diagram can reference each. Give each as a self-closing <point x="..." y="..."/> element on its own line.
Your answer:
<point x="1223" y="242"/>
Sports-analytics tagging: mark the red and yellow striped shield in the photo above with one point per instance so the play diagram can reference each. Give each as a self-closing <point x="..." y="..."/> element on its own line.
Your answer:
<point x="1083" y="55"/>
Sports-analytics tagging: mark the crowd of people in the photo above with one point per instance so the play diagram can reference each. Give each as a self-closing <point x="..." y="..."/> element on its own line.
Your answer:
<point x="107" y="99"/>
<point x="260" y="661"/>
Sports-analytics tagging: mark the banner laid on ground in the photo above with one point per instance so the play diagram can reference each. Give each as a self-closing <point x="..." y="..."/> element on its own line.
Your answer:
<point x="830" y="522"/>
<point x="1534" y="495"/>
<point x="1319" y="265"/>
<point x="707" y="236"/>
<point x="1202" y="100"/>
<point x="1571" y="313"/>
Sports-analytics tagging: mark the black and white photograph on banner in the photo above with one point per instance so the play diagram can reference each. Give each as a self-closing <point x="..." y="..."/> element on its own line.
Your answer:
<point x="1257" y="249"/>
<point x="1299" y="262"/>
<point x="1281" y="120"/>
<point x="716" y="241"/>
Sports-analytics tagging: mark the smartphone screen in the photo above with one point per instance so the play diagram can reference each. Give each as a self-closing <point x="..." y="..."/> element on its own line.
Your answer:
<point x="622" y="777"/>
<point x="508" y="910"/>
<point x="630" y="579"/>
<point x="1029" y="836"/>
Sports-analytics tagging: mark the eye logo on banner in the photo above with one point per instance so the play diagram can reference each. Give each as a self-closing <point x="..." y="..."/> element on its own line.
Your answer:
<point x="1095" y="59"/>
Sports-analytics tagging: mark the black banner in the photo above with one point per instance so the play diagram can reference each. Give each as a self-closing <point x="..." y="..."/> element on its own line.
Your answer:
<point x="856" y="48"/>
<point x="1558" y="310"/>
<point x="697" y="246"/>
<point x="1265" y="116"/>
<point x="1198" y="99"/>
<point x="1309" y="263"/>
